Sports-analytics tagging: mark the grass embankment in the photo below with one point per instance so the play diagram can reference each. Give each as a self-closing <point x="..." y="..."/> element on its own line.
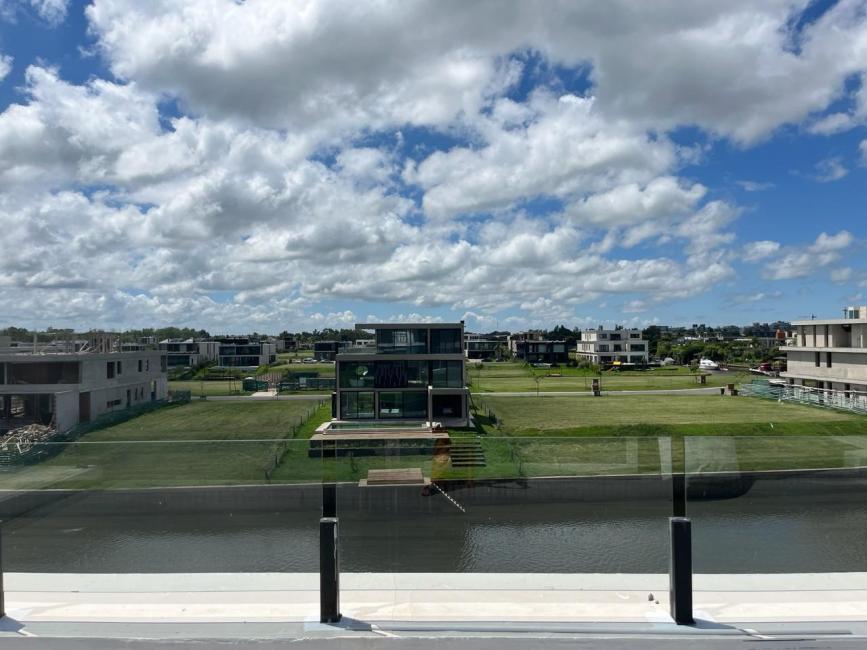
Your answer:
<point x="505" y="377"/>
<point x="546" y="436"/>
<point x="629" y="434"/>
<point x="213" y="388"/>
<point x="201" y="443"/>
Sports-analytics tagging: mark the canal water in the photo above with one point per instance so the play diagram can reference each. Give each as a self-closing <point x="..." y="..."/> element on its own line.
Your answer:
<point x="772" y="525"/>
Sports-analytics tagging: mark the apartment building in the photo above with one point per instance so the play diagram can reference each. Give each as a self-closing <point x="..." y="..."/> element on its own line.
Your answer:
<point x="63" y="389"/>
<point x="613" y="346"/>
<point x="829" y="354"/>
<point x="243" y="352"/>
<point x="413" y="372"/>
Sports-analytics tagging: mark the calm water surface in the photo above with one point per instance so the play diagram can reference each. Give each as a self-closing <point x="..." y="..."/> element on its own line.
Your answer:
<point x="776" y="527"/>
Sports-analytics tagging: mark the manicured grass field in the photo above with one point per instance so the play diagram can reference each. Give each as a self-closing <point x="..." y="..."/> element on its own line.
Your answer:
<point x="209" y="443"/>
<point x="213" y="388"/>
<point x="637" y="415"/>
<point x="324" y="369"/>
<point x="201" y="443"/>
<point x="508" y="377"/>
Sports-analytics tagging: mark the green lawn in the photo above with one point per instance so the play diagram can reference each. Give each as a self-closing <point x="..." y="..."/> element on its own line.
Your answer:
<point x="209" y="443"/>
<point x="641" y="415"/>
<point x="201" y="443"/>
<point x="215" y="388"/>
<point x="508" y="377"/>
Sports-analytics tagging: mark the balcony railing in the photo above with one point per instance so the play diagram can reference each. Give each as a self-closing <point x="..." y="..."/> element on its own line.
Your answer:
<point x="359" y="349"/>
<point x="495" y="513"/>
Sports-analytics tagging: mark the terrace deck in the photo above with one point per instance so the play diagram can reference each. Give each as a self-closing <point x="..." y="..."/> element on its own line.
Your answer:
<point x="385" y="477"/>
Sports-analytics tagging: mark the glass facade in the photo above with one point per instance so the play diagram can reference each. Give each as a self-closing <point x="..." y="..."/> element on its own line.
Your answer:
<point x="416" y="373"/>
<point x="446" y="341"/>
<point x="395" y="374"/>
<point x="390" y="405"/>
<point x="406" y="404"/>
<point x="357" y="374"/>
<point x="391" y="374"/>
<point x="357" y="405"/>
<point x="408" y="341"/>
<point x="447" y="374"/>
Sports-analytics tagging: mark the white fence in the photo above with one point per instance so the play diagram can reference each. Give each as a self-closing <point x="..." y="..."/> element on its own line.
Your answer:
<point x="853" y="401"/>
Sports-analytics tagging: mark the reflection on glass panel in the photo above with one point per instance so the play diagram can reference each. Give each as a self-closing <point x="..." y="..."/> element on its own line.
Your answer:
<point x="418" y="341"/>
<point x="356" y="405"/>
<point x="390" y="374"/>
<point x="365" y="405"/>
<point x="356" y="374"/>
<point x="445" y="341"/>
<point x="415" y="404"/>
<point x="402" y="341"/>
<point x="447" y="374"/>
<point x="390" y="405"/>
<point x="416" y="373"/>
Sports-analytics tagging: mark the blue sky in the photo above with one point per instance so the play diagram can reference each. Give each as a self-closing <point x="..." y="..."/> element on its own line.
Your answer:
<point x="252" y="166"/>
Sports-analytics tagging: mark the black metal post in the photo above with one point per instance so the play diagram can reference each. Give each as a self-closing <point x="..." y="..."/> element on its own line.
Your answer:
<point x="678" y="494"/>
<point x="678" y="476"/>
<point x="2" y="593"/>
<point x="680" y="571"/>
<point x="329" y="571"/>
<point x="329" y="499"/>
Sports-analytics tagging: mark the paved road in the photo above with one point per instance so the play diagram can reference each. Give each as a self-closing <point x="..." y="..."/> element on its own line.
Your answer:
<point x="249" y="398"/>
<point x="711" y="390"/>
<point x="574" y="393"/>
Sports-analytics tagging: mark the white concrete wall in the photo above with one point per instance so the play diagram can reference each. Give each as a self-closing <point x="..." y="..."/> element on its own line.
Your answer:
<point x="846" y="367"/>
<point x="66" y="410"/>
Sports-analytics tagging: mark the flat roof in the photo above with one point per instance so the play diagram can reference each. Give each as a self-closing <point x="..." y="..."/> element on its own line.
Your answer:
<point x="29" y="357"/>
<point x="831" y="321"/>
<point x="403" y="326"/>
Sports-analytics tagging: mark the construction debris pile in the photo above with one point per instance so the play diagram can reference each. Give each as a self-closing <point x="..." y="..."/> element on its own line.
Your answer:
<point x="22" y="439"/>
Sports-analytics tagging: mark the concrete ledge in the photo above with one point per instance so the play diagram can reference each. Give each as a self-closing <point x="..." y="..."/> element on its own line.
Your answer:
<point x="429" y="598"/>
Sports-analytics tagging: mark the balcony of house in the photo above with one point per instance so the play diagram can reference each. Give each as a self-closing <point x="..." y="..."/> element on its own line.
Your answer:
<point x="834" y="334"/>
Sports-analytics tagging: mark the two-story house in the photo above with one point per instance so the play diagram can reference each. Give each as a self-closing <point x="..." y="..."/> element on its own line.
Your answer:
<point x="64" y="389"/>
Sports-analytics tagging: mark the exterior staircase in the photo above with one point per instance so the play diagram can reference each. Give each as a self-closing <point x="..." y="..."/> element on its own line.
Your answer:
<point x="467" y="453"/>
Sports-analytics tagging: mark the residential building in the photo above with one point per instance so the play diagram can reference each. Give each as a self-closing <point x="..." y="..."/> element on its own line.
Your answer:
<point x="286" y="344"/>
<point x="243" y="352"/>
<point x="542" y="351"/>
<point x="486" y="347"/>
<point x="63" y="389"/>
<point x="616" y="346"/>
<point x="414" y="372"/>
<point x="520" y="337"/>
<point x="829" y="353"/>
<point x="328" y="350"/>
<point x="188" y="353"/>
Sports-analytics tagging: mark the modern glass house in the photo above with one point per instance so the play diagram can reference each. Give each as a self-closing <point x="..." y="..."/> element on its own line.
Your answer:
<point x="413" y="372"/>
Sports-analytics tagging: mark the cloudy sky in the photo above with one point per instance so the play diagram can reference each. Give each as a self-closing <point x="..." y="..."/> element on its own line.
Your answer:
<point x="269" y="165"/>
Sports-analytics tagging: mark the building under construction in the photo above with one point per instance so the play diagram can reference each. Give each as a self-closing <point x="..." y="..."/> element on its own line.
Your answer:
<point x="63" y="383"/>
